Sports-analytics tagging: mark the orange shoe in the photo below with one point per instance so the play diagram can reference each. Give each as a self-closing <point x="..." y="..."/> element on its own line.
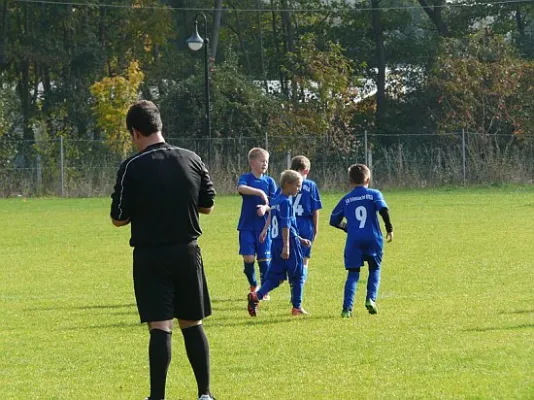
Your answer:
<point x="299" y="311"/>
<point x="253" y="289"/>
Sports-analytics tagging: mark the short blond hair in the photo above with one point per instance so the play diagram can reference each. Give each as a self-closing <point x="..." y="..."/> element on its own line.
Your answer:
<point x="289" y="176"/>
<point x="299" y="163"/>
<point x="256" y="152"/>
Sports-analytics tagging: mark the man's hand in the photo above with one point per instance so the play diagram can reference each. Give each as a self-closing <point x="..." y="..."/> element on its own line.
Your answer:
<point x="389" y="237"/>
<point x="285" y="253"/>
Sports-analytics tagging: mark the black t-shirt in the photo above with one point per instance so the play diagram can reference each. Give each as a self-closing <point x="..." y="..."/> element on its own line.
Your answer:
<point x="160" y="190"/>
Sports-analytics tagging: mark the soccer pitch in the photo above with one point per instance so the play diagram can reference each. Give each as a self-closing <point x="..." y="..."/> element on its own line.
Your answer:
<point x="455" y="321"/>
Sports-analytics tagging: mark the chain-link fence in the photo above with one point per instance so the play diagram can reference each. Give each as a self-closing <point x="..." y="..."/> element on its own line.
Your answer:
<point x="65" y="167"/>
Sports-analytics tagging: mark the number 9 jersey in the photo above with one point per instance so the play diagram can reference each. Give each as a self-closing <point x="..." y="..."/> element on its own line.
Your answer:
<point x="360" y="208"/>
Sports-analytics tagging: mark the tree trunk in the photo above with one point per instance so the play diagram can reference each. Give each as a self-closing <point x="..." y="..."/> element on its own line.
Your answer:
<point x="216" y="28"/>
<point x="378" y="32"/>
<point x="262" y="55"/>
<point x="434" y="13"/>
<point x="241" y="41"/>
<point x="283" y="86"/>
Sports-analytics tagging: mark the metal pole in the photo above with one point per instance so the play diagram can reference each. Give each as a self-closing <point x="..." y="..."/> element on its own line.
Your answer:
<point x="366" y="159"/>
<point x="61" y="166"/>
<point x="463" y="158"/>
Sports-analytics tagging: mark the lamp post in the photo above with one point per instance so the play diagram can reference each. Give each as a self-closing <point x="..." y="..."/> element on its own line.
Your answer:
<point x="195" y="43"/>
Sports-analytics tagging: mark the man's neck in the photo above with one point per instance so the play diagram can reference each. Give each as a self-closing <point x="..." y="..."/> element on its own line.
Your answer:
<point x="155" y="138"/>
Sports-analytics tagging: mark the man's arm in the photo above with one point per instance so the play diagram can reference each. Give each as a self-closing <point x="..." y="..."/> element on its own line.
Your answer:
<point x="206" y="195"/>
<point x="120" y="198"/>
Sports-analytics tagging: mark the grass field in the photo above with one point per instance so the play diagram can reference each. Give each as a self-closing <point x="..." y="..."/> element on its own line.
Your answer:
<point x="456" y="307"/>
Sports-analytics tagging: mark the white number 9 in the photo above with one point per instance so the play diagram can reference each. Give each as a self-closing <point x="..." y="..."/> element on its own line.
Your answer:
<point x="361" y="215"/>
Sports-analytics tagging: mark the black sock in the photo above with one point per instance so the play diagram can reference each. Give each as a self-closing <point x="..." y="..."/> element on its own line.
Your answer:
<point x="159" y="354"/>
<point x="198" y="352"/>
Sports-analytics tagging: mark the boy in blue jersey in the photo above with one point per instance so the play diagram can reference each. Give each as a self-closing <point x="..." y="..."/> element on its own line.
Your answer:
<point x="287" y="260"/>
<point x="256" y="189"/>
<point x="306" y="204"/>
<point x="364" y="238"/>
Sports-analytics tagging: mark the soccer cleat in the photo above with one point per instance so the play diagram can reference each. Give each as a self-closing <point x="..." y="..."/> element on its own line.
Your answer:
<point x="346" y="313"/>
<point x="206" y="397"/>
<point x="299" y="311"/>
<point x="252" y="303"/>
<point x="266" y="297"/>
<point x="253" y="289"/>
<point x="371" y="306"/>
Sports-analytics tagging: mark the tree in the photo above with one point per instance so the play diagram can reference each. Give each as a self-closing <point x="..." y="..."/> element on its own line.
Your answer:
<point x="485" y="86"/>
<point x="113" y="97"/>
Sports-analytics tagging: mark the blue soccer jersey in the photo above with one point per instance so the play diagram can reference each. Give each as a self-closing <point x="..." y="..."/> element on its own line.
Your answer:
<point x="249" y="219"/>
<point x="282" y="216"/>
<point x="307" y="200"/>
<point x="364" y="237"/>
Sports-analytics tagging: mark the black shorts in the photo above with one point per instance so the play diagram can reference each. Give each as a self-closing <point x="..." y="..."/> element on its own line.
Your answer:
<point x="169" y="283"/>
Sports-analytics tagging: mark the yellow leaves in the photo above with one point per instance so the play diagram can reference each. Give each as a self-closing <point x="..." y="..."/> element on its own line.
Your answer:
<point x="113" y="96"/>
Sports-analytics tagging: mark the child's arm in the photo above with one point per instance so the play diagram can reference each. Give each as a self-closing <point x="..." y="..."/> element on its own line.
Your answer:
<point x="247" y="190"/>
<point x="336" y="219"/>
<point x="285" y="238"/>
<point x="263" y="233"/>
<point x="315" y="219"/>
<point x="384" y="213"/>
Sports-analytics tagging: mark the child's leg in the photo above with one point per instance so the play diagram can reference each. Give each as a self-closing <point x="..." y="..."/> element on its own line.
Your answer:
<point x="373" y="283"/>
<point x="350" y="288"/>
<point x="297" y="288"/>
<point x="268" y="285"/>
<point x="249" y="271"/>
<point x="264" y="268"/>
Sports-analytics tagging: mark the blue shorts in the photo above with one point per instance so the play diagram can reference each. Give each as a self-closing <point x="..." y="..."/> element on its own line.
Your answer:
<point x="281" y="269"/>
<point x="249" y="245"/>
<point x="356" y="253"/>
<point x="306" y="231"/>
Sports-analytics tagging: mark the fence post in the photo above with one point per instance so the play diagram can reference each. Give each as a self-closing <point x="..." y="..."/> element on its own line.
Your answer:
<point x="366" y="157"/>
<point x="463" y="158"/>
<point x="288" y="159"/>
<point x="61" y="166"/>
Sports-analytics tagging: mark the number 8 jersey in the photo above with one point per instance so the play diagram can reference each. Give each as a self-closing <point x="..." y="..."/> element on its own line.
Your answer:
<point x="282" y="216"/>
<point x="360" y="208"/>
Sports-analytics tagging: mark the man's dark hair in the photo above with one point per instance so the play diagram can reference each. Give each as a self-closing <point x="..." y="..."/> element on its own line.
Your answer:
<point x="144" y="116"/>
<point x="358" y="173"/>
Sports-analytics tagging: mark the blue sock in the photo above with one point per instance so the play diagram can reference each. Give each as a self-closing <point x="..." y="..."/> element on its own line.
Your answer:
<point x="266" y="287"/>
<point x="250" y="273"/>
<point x="264" y="267"/>
<point x="373" y="282"/>
<point x="297" y="287"/>
<point x="350" y="288"/>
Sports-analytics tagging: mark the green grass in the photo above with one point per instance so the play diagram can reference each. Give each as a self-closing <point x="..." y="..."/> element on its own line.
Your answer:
<point x="456" y="307"/>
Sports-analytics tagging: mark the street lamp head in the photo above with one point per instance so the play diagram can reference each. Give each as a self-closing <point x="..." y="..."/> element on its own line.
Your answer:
<point x="195" y="42"/>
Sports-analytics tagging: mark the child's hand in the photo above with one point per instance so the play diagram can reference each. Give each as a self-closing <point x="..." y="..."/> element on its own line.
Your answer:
<point x="264" y="197"/>
<point x="285" y="253"/>
<point x="263" y="235"/>
<point x="305" y="242"/>
<point x="389" y="237"/>
<point x="261" y="210"/>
